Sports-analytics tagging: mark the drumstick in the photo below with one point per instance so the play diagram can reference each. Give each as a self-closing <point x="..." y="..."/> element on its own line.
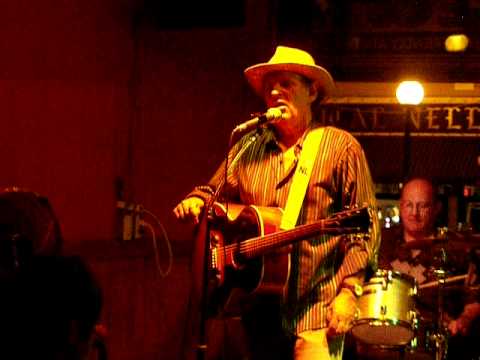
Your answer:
<point x="449" y="280"/>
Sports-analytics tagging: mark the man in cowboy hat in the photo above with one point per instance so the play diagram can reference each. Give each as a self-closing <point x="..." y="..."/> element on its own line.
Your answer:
<point x="325" y="273"/>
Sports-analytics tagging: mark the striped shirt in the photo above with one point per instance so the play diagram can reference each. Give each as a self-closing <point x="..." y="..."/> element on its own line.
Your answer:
<point x="340" y="178"/>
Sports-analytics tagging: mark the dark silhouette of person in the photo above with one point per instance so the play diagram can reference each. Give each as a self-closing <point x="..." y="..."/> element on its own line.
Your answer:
<point x="50" y="303"/>
<point x="50" y="307"/>
<point x="28" y="227"/>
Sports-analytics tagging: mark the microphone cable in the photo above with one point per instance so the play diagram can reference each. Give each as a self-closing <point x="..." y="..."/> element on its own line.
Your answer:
<point x="163" y="273"/>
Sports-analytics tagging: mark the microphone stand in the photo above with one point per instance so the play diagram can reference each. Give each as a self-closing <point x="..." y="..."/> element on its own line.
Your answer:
<point x="198" y="307"/>
<point x="440" y="335"/>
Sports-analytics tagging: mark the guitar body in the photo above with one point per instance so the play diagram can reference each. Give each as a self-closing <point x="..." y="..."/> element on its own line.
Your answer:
<point x="267" y="274"/>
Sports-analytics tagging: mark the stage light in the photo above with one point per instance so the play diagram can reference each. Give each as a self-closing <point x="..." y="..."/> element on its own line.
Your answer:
<point x="410" y="92"/>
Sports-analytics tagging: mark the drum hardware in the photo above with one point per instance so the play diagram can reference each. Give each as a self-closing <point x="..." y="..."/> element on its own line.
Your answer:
<point x="422" y="346"/>
<point x="387" y="318"/>
<point x="445" y="286"/>
<point x="439" y="249"/>
<point x="440" y="344"/>
<point x="439" y="336"/>
<point x="395" y="326"/>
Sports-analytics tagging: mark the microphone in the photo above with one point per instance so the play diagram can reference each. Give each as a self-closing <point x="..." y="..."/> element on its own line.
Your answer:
<point x="271" y="114"/>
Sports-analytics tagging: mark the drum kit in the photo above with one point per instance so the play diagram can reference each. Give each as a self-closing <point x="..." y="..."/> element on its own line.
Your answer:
<point x="397" y="318"/>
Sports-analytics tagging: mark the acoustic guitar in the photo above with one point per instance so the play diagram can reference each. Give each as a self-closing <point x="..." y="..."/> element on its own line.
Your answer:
<point x="249" y="251"/>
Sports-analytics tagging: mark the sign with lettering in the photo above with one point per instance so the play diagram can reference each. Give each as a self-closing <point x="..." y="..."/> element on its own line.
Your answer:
<point x="435" y="120"/>
<point x="387" y="40"/>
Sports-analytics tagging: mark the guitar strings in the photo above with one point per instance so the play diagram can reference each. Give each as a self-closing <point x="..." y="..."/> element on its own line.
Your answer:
<point x="252" y="245"/>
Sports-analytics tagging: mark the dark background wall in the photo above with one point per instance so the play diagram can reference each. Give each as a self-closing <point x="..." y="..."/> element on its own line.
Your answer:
<point x="101" y="100"/>
<point x="64" y="72"/>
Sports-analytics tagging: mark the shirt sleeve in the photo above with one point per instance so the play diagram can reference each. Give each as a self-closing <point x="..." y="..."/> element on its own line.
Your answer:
<point x="357" y="189"/>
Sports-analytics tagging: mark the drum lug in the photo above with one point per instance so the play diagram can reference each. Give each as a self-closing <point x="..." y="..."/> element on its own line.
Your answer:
<point x="414" y="344"/>
<point x="385" y="283"/>
<point x="383" y="310"/>
<point x="387" y="280"/>
<point x="413" y="317"/>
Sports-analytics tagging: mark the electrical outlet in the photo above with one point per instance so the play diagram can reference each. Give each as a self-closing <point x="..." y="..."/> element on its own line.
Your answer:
<point x="138" y="214"/>
<point x="127" y="222"/>
<point x="130" y="214"/>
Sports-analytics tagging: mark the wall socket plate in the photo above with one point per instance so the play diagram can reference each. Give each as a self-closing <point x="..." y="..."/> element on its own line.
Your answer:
<point x="131" y="220"/>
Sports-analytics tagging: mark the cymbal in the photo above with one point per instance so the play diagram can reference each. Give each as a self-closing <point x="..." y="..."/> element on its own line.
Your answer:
<point x="423" y="244"/>
<point x="454" y="295"/>
<point x="452" y="244"/>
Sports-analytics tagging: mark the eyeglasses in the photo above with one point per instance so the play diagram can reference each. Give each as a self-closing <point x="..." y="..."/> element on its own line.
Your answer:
<point x="423" y="206"/>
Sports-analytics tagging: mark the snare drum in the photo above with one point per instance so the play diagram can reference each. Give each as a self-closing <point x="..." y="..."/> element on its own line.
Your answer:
<point x="386" y="310"/>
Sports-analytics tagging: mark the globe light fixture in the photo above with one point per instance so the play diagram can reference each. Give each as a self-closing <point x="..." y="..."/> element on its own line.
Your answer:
<point x="456" y="43"/>
<point x="410" y="92"/>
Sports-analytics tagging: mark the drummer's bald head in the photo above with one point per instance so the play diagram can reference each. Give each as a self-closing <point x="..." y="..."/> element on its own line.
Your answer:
<point x="419" y="206"/>
<point x="420" y="184"/>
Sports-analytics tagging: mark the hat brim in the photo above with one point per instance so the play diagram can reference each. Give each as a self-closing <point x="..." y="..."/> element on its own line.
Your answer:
<point x="320" y="77"/>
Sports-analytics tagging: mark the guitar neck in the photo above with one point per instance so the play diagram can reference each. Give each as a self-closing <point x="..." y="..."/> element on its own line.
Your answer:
<point x="261" y="245"/>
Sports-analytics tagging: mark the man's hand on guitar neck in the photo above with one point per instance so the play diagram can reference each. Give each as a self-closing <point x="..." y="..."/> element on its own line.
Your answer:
<point x="189" y="209"/>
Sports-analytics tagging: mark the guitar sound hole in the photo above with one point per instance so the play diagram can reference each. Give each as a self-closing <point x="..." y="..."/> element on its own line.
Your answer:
<point x="239" y="261"/>
<point x="250" y="274"/>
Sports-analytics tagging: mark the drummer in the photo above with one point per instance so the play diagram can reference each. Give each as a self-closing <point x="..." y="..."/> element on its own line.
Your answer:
<point x="419" y="208"/>
<point x="411" y="249"/>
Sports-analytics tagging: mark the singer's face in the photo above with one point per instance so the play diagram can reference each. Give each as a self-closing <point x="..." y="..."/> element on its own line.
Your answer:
<point x="291" y="92"/>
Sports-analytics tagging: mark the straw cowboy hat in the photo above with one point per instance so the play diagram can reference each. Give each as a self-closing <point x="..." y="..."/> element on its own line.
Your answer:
<point x="292" y="60"/>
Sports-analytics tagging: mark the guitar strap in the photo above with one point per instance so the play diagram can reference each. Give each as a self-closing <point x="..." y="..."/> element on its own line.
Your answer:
<point x="301" y="178"/>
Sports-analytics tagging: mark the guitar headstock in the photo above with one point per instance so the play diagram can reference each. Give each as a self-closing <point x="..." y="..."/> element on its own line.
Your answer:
<point x="352" y="220"/>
